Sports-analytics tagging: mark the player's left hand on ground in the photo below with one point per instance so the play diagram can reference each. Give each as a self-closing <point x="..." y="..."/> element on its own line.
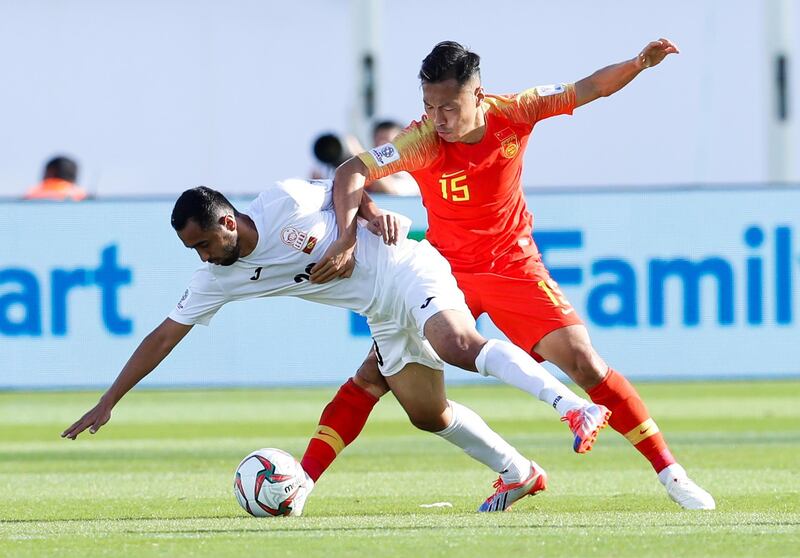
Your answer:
<point x="337" y="261"/>
<point x="385" y="225"/>
<point x="93" y="420"/>
<point x="655" y="52"/>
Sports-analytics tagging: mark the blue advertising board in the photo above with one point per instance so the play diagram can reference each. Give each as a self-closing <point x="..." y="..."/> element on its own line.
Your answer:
<point x="685" y="283"/>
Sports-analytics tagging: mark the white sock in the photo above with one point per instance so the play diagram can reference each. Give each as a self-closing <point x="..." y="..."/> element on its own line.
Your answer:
<point x="670" y="472"/>
<point x="469" y="432"/>
<point x="510" y="364"/>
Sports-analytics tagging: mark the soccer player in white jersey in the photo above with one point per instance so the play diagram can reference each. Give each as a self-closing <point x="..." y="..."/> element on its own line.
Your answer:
<point x="416" y="313"/>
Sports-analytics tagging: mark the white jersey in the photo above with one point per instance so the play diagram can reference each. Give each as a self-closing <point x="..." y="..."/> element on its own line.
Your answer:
<point x="296" y="224"/>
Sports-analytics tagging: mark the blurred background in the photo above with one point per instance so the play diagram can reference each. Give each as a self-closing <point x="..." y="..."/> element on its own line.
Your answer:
<point x="153" y="97"/>
<point x="695" y="162"/>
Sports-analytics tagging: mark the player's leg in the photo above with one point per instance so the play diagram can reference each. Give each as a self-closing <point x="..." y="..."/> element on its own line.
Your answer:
<point x="535" y="315"/>
<point x="420" y="391"/>
<point x="453" y="336"/>
<point x="344" y="417"/>
<point x="571" y="350"/>
<point x="438" y="310"/>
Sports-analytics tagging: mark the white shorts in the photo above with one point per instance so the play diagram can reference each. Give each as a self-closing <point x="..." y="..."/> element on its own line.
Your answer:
<point x="416" y="285"/>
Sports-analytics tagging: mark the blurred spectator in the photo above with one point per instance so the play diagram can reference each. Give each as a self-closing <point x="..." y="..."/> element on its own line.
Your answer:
<point x="58" y="182"/>
<point x="330" y="152"/>
<point x="385" y="131"/>
<point x="398" y="184"/>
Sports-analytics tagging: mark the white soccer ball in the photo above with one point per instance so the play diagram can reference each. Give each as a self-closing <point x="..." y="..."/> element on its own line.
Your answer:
<point x="270" y="482"/>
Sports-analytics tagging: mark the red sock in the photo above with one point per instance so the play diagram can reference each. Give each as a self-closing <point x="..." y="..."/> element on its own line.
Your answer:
<point x="630" y="417"/>
<point x="341" y="423"/>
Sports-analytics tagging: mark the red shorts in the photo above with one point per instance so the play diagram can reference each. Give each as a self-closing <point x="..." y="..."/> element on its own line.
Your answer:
<point x="526" y="305"/>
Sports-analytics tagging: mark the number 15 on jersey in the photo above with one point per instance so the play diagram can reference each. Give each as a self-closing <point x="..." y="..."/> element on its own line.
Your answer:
<point x="454" y="188"/>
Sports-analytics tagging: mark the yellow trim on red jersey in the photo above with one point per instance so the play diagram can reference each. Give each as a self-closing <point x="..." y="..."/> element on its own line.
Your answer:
<point x="536" y="103"/>
<point x="417" y="146"/>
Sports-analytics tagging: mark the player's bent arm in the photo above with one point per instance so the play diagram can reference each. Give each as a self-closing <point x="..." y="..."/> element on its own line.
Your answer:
<point x="150" y="352"/>
<point x="368" y="209"/>
<point x="380" y="223"/>
<point x="348" y="187"/>
<point x="348" y="190"/>
<point x="609" y="80"/>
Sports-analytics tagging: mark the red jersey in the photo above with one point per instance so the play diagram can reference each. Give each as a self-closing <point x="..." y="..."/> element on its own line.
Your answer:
<point x="477" y="215"/>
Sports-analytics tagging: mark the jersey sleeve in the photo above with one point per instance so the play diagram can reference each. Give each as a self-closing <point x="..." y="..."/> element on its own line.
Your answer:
<point x="413" y="148"/>
<point x="544" y="101"/>
<point x="200" y="301"/>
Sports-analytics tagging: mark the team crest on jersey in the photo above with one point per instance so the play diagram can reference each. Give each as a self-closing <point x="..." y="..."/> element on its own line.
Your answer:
<point x="385" y="154"/>
<point x="294" y="238"/>
<point x="509" y="144"/>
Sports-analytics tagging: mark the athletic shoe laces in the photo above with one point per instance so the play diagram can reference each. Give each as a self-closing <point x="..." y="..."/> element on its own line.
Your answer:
<point x="574" y="418"/>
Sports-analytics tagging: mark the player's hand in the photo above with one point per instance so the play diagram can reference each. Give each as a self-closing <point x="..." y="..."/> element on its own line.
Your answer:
<point x="385" y="225"/>
<point x="655" y="52"/>
<point x="93" y="420"/>
<point x="337" y="261"/>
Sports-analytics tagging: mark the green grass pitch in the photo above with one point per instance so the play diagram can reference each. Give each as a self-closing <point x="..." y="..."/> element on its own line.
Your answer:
<point x="156" y="481"/>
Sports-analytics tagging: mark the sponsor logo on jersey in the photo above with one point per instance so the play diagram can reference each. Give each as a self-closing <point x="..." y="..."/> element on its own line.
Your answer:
<point x="427" y="301"/>
<point x="186" y="294"/>
<point x="547" y="90"/>
<point x="294" y="238"/>
<point x="310" y="245"/>
<point x="385" y="154"/>
<point x="509" y="144"/>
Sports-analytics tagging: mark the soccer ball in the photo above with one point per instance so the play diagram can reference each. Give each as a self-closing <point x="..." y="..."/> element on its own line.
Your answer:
<point x="270" y="482"/>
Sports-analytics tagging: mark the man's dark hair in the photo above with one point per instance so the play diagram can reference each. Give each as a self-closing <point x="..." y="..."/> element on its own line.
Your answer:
<point x="328" y="150"/>
<point x="203" y="205"/>
<point x="450" y="60"/>
<point x="61" y="167"/>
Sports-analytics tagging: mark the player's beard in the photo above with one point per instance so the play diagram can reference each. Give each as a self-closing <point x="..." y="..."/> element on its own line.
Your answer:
<point x="230" y="253"/>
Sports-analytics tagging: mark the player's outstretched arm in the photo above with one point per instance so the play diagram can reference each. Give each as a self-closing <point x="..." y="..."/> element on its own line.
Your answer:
<point x="609" y="80"/>
<point x="150" y="352"/>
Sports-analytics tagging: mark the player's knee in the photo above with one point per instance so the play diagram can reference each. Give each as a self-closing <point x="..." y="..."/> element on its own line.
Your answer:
<point x="369" y="378"/>
<point x="374" y="384"/>
<point x="428" y="422"/>
<point x="461" y="349"/>
<point x="587" y="369"/>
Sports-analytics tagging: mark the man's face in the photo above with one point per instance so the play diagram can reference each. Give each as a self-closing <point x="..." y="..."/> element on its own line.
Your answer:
<point x="453" y="109"/>
<point x="218" y="245"/>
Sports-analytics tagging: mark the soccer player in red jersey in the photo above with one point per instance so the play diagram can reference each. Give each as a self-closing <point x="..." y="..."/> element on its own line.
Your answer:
<point x="466" y="156"/>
